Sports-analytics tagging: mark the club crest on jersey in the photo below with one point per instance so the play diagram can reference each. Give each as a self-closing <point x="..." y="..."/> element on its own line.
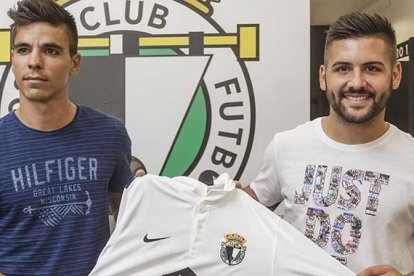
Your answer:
<point x="233" y="249"/>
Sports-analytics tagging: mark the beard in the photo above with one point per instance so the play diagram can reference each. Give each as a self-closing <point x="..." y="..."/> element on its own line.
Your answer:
<point x="346" y="113"/>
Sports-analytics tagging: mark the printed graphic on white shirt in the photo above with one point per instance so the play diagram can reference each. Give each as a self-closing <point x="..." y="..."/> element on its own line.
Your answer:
<point x="342" y="232"/>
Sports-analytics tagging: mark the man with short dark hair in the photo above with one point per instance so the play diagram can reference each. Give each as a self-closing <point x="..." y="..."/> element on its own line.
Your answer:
<point x="346" y="180"/>
<point x="58" y="161"/>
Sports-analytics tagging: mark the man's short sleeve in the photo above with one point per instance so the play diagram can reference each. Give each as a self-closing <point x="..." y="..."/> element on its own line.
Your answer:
<point x="266" y="184"/>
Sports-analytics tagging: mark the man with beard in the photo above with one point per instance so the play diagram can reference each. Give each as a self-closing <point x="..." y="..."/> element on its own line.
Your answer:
<point x="346" y="180"/>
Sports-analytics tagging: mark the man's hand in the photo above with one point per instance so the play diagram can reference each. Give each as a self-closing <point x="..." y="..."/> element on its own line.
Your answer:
<point x="380" y="270"/>
<point x="246" y="189"/>
<point x="238" y="184"/>
<point x="138" y="173"/>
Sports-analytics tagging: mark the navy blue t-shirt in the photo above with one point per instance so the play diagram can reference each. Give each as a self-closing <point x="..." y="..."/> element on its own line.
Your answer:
<point x="54" y="192"/>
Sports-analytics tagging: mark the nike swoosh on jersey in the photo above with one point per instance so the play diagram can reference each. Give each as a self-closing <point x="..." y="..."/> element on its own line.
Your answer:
<point x="146" y="239"/>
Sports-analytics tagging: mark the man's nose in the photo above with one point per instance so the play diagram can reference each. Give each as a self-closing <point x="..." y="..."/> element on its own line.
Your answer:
<point x="357" y="80"/>
<point x="35" y="60"/>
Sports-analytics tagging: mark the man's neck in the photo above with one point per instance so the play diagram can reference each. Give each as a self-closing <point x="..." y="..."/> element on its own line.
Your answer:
<point x="46" y="116"/>
<point x="345" y="132"/>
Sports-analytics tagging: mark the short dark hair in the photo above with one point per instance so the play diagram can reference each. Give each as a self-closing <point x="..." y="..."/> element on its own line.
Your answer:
<point x="33" y="11"/>
<point x="357" y="25"/>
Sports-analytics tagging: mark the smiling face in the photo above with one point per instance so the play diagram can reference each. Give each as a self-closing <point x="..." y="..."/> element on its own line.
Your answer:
<point x="41" y="62"/>
<point x="358" y="78"/>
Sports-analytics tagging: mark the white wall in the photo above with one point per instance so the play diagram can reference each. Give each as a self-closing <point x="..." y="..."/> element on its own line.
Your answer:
<point x="400" y="13"/>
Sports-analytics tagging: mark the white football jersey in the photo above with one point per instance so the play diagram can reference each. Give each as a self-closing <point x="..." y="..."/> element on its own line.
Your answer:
<point x="180" y="226"/>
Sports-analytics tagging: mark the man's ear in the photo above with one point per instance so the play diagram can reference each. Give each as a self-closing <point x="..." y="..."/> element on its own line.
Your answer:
<point x="396" y="75"/>
<point x="322" y="77"/>
<point x="76" y="61"/>
<point x="11" y="58"/>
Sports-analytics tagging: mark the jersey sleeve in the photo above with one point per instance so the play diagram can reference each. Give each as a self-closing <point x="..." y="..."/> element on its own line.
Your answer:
<point x="295" y="254"/>
<point x="266" y="184"/>
<point x="122" y="175"/>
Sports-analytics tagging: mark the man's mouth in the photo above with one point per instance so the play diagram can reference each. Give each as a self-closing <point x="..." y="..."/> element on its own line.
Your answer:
<point x="357" y="97"/>
<point x="35" y="79"/>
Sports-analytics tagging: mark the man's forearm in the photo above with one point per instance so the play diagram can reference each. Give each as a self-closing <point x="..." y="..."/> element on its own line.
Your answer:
<point x="114" y="202"/>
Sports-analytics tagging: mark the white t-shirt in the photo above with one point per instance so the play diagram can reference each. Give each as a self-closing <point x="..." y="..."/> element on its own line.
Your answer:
<point x="354" y="201"/>
<point x="182" y="227"/>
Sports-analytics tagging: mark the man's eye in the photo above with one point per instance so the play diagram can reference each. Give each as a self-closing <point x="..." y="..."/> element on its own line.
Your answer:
<point x="341" y="69"/>
<point x="22" y="50"/>
<point x="52" y="52"/>
<point x="373" y="69"/>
